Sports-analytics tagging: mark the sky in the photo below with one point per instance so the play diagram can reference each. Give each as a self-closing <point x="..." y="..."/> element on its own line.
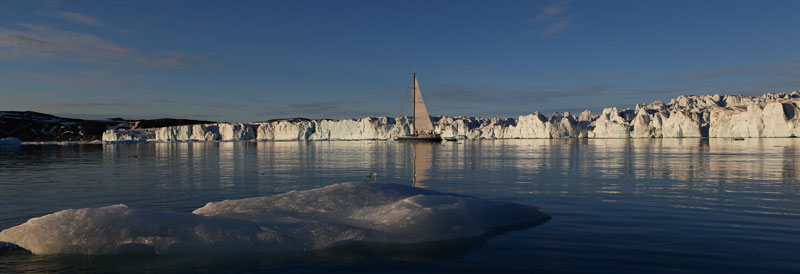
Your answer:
<point x="259" y="60"/>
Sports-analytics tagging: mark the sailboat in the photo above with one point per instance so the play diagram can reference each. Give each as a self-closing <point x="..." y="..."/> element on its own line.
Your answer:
<point x="421" y="128"/>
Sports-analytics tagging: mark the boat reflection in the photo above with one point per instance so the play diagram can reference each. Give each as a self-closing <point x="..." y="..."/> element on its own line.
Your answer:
<point x="421" y="162"/>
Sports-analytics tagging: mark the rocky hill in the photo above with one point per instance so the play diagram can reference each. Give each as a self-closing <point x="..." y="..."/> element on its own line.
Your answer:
<point x="31" y="126"/>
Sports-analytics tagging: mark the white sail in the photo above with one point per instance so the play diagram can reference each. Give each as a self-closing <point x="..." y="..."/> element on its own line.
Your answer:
<point x="422" y="121"/>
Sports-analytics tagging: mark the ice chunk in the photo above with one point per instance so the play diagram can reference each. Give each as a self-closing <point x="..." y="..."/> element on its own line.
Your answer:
<point x="313" y="219"/>
<point x="119" y="229"/>
<point x="10" y="142"/>
<point x="679" y="125"/>
<point x="610" y="124"/>
<point x="128" y="135"/>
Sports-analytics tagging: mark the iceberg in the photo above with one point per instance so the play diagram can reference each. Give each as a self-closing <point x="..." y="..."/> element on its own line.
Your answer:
<point x="128" y="135"/>
<point x="333" y="216"/>
<point x="687" y="116"/>
<point x="610" y="124"/>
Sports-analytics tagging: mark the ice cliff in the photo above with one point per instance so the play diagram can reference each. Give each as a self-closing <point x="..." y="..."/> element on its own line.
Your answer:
<point x="769" y="115"/>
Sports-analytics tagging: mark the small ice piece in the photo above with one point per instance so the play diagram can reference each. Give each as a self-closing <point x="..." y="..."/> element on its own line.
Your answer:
<point x="10" y="142"/>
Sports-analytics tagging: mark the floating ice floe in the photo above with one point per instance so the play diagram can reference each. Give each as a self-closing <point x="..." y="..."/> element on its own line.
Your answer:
<point x="296" y="221"/>
<point x="10" y="142"/>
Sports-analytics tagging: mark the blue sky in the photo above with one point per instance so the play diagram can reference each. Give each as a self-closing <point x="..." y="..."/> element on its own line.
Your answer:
<point x="259" y="60"/>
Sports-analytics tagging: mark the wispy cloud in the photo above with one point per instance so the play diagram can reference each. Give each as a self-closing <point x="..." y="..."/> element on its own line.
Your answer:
<point x="37" y="42"/>
<point x="87" y="104"/>
<point x="780" y="75"/>
<point x="474" y="93"/>
<point x="492" y="100"/>
<point x="481" y="93"/>
<point x="719" y="73"/>
<point x="154" y="106"/>
<point x="175" y="60"/>
<point x="552" y="19"/>
<point x="750" y="79"/>
<point x="96" y="78"/>
<point x="320" y="109"/>
<point x="163" y="99"/>
<point x="75" y="17"/>
<point x="212" y="104"/>
<point x="47" y="43"/>
<point x="57" y="101"/>
<point x="51" y="4"/>
<point x="468" y="68"/>
<point x="557" y="26"/>
<point x="52" y="8"/>
<point x="80" y="18"/>
<point x="553" y="10"/>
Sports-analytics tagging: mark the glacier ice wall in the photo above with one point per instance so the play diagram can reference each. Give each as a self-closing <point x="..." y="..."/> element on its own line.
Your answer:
<point x="769" y="115"/>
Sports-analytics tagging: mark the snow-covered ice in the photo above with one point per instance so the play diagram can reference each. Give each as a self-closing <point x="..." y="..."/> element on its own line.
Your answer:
<point x="687" y="116"/>
<point x="296" y="221"/>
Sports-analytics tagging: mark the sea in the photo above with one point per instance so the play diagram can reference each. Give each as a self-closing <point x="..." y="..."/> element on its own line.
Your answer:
<point x="617" y="205"/>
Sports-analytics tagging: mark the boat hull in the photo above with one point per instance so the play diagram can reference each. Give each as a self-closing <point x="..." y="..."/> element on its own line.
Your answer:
<point x="434" y="138"/>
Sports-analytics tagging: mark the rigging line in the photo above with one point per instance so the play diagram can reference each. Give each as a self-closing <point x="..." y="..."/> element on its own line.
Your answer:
<point x="403" y="108"/>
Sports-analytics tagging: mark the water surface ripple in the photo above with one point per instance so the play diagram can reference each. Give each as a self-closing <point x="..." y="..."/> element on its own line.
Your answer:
<point x="640" y="205"/>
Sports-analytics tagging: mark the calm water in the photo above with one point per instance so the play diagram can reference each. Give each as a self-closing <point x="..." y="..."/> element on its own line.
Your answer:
<point x="651" y="205"/>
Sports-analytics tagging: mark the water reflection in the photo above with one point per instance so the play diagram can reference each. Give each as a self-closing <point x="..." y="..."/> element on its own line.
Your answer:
<point x="16" y="259"/>
<point x="697" y="163"/>
<point x="421" y="163"/>
<point x="693" y="162"/>
<point x="187" y="175"/>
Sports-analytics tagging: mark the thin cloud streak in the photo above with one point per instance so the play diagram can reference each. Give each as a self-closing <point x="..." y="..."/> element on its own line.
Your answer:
<point x="501" y="101"/>
<point x="175" y="60"/>
<point x="47" y="43"/>
<point x="164" y="100"/>
<point x="468" y="68"/>
<point x="44" y="43"/>
<point x="52" y="4"/>
<point x="551" y="19"/>
<point x="80" y="18"/>
<point x="75" y="17"/>
<point x="718" y="73"/>
<point x="86" y="104"/>
<point x="552" y="10"/>
<point x="483" y="93"/>
<point x="785" y="75"/>
<point x="320" y="110"/>
<point x="559" y="25"/>
<point x="91" y="79"/>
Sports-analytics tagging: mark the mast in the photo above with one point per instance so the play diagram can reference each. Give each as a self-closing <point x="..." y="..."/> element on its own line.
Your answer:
<point x="414" y="103"/>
